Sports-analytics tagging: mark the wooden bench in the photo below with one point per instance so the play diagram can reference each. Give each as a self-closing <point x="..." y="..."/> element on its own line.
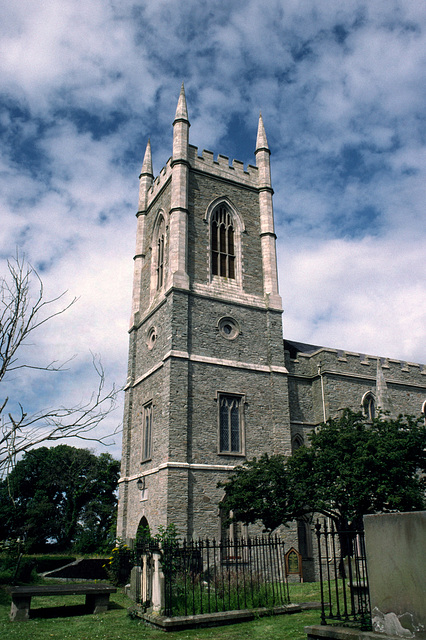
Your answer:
<point x="97" y="596"/>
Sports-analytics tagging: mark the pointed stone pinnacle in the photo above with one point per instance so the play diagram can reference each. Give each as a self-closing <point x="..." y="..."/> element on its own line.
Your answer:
<point x="181" y="110"/>
<point x="261" y="141"/>
<point x="147" y="160"/>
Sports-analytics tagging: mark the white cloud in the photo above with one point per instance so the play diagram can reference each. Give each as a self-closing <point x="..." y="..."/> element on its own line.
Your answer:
<point x="365" y="296"/>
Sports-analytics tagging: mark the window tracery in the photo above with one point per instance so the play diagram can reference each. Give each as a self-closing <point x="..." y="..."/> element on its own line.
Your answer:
<point x="222" y="243"/>
<point x="230" y="424"/>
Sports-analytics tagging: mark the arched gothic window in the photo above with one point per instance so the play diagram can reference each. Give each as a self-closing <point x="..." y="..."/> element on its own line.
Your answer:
<point x="146" y="431"/>
<point x="160" y="254"/>
<point x="230" y="424"/>
<point x="222" y="243"/>
<point x="369" y="406"/>
<point x="424" y="410"/>
<point x="297" y="441"/>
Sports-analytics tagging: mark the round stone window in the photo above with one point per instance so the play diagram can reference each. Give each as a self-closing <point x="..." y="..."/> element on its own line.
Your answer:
<point x="228" y="328"/>
<point x="152" y="337"/>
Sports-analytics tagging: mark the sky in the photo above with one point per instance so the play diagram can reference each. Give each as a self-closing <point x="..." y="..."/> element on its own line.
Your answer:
<point x="341" y="87"/>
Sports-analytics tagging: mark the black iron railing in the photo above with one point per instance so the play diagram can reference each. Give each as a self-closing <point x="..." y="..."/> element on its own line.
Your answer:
<point x="207" y="576"/>
<point x="343" y="575"/>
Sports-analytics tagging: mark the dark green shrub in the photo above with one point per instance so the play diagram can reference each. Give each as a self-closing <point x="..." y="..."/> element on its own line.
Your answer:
<point x="16" y="568"/>
<point x="50" y="563"/>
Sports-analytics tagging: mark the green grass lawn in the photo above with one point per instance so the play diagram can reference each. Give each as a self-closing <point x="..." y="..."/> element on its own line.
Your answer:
<point x="59" y="618"/>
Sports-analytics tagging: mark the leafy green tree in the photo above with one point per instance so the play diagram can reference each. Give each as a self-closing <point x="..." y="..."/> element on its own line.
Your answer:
<point x="259" y="490"/>
<point x="63" y="495"/>
<point x="353" y="468"/>
<point x="350" y="468"/>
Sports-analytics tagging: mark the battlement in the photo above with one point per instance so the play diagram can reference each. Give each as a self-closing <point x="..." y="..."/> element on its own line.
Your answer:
<point x="335" y="361"/>
<point x="207" y="163"/>
<point x="221" y="167"/>
<point x="160" y="181"/>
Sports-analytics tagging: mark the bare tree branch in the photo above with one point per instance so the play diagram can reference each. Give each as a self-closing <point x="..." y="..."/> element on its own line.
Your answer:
<point x="21" y="314"/>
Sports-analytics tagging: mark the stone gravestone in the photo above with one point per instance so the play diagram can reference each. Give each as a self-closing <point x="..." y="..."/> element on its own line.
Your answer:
<point x="293" y="563"/>
<point x="135" y="584"/>
<point x="396" y="562"/>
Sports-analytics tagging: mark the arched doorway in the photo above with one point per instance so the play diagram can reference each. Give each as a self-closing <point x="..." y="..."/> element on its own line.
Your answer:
<point x="143" y="532"/>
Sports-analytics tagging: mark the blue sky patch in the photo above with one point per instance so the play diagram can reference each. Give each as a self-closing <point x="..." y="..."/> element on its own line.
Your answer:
<point x="357" y="223"/>
<point x="98" y="125"/>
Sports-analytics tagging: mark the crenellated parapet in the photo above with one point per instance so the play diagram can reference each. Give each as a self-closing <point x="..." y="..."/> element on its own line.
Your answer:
<point x="324" y="360"/>
<point x="220" y="167"/>
<point x="207" y="163"/>
<point x="323" y="382"/>
<point x="160" y="182"/>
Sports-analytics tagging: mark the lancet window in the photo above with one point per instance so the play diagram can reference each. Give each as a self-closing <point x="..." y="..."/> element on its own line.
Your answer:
<point x="146" y="431"/>
<point x="160" y="254"/>
<point x="222" y="243"/>
<point x="369" y="406"/>
<point x="230" y="424"/>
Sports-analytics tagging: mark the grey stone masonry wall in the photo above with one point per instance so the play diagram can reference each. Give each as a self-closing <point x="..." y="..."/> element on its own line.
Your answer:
<point x="266" y="426"/>
<point x="325" y="381"/>
<point x="257" y="343"/>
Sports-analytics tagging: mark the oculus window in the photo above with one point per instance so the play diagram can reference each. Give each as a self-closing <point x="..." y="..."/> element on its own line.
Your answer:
<point x="151" y="338"/>
<point x="228" y="328"/>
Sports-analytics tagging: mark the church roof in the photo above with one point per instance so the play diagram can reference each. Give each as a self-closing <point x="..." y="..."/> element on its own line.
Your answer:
<point x="299" y="347"/>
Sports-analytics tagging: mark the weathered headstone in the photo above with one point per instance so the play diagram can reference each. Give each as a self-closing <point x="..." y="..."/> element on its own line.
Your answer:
<point x="135" y="584"/>
<point x="293" y="563"/>
<point x="396" y="561"/>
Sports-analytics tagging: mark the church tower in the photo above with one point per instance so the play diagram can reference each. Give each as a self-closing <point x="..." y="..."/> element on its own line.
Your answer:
<point x="207" y="386"/>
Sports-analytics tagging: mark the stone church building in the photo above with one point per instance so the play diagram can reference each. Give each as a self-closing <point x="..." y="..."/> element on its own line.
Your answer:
<point x="211" y="382"/>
